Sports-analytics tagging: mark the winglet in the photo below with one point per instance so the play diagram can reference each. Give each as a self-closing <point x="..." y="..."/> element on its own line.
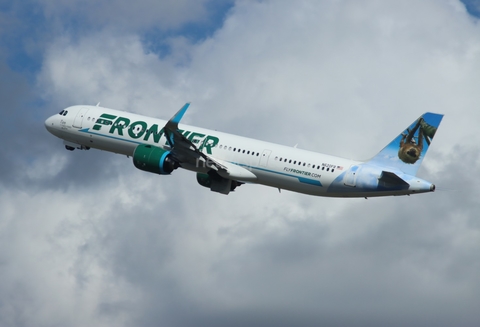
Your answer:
<point x="179" y="115"/>
<point x="172" y="125"/>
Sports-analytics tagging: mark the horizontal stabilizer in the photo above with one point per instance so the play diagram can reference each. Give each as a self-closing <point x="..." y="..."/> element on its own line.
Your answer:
<point x="392" y="178"/>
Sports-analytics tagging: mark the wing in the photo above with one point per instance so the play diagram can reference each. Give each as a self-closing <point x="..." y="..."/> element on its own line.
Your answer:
<point x="186" y="152"/>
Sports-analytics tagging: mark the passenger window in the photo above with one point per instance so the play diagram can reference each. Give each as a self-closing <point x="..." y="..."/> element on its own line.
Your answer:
<point x="323" y="168"/>
<point x="328" y="169"/>
<point x="248" y="152"/>
<point x="258" y="154"/>
<point x="243" y="151"/>
<point x="230" y="148"/>
<point x="290" y="161"/>
<point x="333" y="170"/>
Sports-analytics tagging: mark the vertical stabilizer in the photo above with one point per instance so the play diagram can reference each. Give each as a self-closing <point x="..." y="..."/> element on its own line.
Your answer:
<point x="408" y="149"/>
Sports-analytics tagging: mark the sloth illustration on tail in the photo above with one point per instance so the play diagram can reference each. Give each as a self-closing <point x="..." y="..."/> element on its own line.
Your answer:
<point x="411" y="147"/>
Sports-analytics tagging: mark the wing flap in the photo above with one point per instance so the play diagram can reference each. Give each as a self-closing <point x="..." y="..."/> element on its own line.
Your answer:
<point x="236" y="172"/>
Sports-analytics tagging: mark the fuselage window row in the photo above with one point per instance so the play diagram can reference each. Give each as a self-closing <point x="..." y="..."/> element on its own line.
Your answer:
<point x="225" y="147"/>
<point x="304" y="164"/>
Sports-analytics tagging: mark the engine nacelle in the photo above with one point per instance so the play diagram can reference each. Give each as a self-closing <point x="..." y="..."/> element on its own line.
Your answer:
<point x="154" y="159"/>
<point x="217" y="183"/>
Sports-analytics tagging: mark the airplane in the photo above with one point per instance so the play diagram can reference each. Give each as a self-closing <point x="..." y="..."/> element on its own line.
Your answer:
<point x="222" y="162"/>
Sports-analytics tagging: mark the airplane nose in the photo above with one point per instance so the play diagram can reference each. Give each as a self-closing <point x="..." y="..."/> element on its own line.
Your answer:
<point x="49" y="124"/>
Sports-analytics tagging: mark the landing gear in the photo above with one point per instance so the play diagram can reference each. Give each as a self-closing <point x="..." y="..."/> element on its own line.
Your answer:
<point x="72" y="146"/>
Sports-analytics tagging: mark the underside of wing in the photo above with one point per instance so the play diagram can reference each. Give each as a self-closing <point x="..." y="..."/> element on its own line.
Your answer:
<point x="189" y="155"/>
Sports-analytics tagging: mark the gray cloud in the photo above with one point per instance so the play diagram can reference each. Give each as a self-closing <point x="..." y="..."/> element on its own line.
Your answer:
<point x="15" y="95"/>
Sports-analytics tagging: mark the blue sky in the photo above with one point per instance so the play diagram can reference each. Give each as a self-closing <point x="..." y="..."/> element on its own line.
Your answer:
<point x="87" y="239"/>
<point x="28" y="29"/>
<point x="473" y="7"/>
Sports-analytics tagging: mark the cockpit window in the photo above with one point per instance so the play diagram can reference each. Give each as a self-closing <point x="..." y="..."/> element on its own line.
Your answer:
<point x="65" y="112"/>
<point x="61" y="112"/>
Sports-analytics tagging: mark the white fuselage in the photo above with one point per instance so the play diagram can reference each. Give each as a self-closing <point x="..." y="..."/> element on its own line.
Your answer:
<point x="274" y="165"/>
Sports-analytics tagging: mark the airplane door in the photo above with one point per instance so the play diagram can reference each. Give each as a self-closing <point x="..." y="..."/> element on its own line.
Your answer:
<point x="264" y="158"/>
<point x="79" y="119"/>
<point x="350" y="178"/>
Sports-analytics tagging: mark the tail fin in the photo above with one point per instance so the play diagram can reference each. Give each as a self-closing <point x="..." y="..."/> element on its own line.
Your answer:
<point x="408" y="149"/>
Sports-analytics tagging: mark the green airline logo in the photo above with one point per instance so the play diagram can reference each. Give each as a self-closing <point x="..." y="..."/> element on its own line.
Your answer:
<point x="140" y="130"/>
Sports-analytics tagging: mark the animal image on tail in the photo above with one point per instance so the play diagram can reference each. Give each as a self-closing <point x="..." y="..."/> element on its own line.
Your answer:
<point x="407" y="151"/>
<point x="411" y="145"/>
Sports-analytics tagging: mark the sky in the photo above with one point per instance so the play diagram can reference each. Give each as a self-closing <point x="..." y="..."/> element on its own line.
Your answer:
<point x="86" y="239"/>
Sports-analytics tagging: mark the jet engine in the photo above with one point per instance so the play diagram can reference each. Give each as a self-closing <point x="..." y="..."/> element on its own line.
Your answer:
<point x="154" y="159"/>
<point x="217" y="183"/>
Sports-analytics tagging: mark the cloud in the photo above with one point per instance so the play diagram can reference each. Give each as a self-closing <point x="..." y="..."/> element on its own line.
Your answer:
<point x="88" y="239"/>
